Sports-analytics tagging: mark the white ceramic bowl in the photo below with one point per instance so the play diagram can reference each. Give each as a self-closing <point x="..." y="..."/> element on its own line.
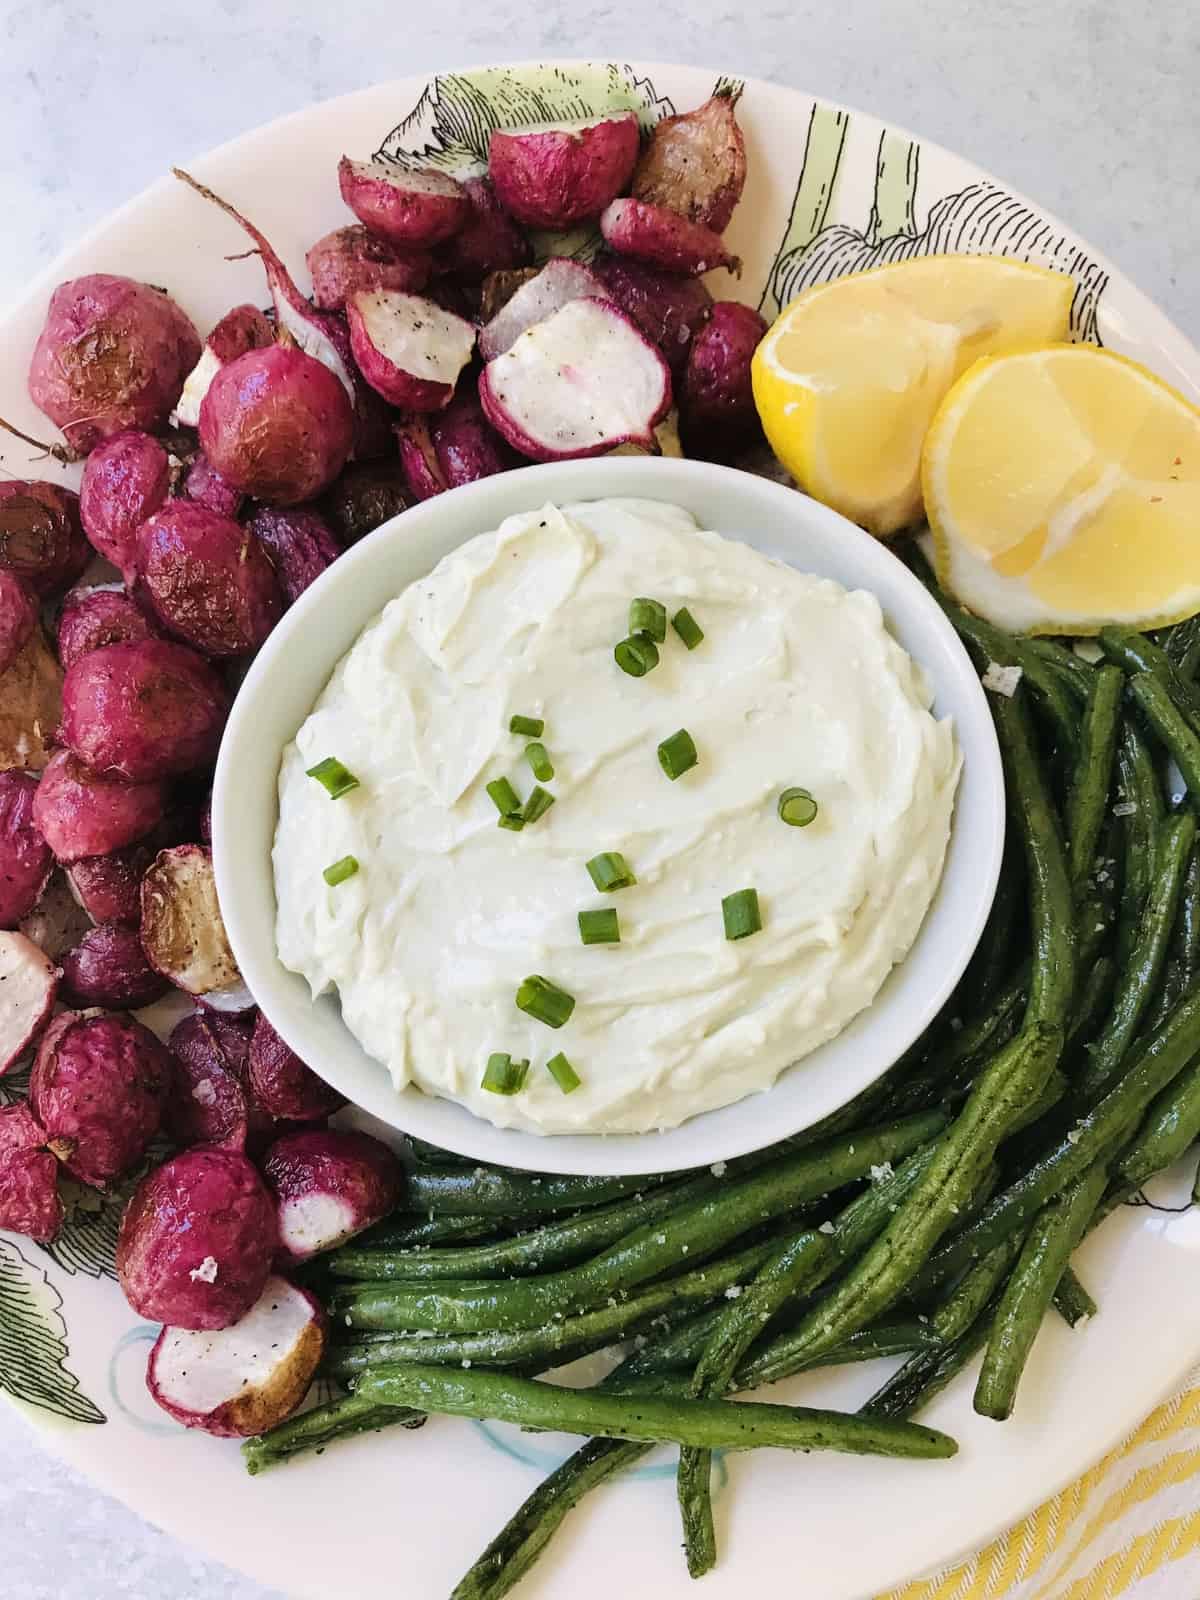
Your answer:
<point x="292" y="668"/>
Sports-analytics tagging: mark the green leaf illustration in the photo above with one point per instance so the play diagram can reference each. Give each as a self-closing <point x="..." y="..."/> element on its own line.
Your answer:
<point x="33" y="1341"/>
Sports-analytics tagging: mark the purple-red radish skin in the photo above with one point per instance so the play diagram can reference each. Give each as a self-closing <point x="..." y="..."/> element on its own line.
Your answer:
<point x="29" y="1199"/>
<point x="26" y="860"/>
<point x="422" y="471"/>
<point x="142" y="711"/>
<point x="207" y="580"/>
<point x="98" y="1087"/>
<point x="281" y="1339"/>
<point x="205" y="485"/>
<point x="208" y="1101"/>
<point x="28" y="988"/>
<point x="488" y="241"/>
<point x="556" y="177"/>
<point x="18" y="617"/>
<point x="411" y="209"/>
<point x="329" y="1185"/>
<point x="81" y="812"/>
<point x="695" y="164"/>
<point x="465" y="444"/>
<point x="660" y="238"/>
<point x="299" y="544"/>
<point x="669" y="308"/>
<point x="108" y="968"/>
<point x="408" y="348"/>
<point x="349" y="259"/>
<point x="368" y="494"/>
<point x="113" y="354"/>
<point x="181" y="928"/>
<point x="108" y="887"/>
<point x="125" y="480"/>
<point x="93" y="618"/>
<point x="196" y="1240"/>
<point x="282" y="1085"/>
<point x="244" y="328"/>
<point x="41" y="537"/>
<point x="716" y="401"/>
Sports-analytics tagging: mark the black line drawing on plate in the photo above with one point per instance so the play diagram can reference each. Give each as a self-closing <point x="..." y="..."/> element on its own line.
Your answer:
<point x="33" y="1341"/>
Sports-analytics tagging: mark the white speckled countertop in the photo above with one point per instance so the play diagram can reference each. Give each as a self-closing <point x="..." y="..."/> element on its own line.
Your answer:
<point x="1087" y="105"/>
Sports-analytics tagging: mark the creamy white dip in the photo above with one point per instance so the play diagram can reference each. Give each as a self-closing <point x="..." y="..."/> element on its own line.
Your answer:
<point x="797" y="683"/>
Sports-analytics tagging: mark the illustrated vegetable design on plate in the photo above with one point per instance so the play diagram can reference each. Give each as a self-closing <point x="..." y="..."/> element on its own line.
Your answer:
<point x="933" y="1217"/>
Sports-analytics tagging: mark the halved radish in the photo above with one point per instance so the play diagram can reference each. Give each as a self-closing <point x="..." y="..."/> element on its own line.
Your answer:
<point x="329" y="1186"/>
<point x="558" y="173"/>
<point x="57" y="923"/>
<point x="560" y="280"/>
<point x="28" y="985"/>
<point x="664" y="239"/>
<point x="244" y="328"/>
<point x="182" y="932"/>
<point x="240" y="1381"/>
<point x="413" y="208"/>
<point x="408" y="348"/>
<point x="577" y="384"/>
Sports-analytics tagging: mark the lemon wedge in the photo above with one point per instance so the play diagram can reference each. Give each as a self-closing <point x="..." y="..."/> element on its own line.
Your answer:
<point x="1062" y="486"/>
<point x="849" y="377"/>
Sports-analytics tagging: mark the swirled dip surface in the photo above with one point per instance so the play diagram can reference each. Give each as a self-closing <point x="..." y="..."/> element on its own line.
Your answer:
<point x="797" y="682"/>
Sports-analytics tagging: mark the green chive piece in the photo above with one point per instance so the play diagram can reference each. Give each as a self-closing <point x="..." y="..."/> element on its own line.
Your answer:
<point x="513" y="824"/>
<point x="741" y="914"/>
<point x="545" y="1001"/>
<point x="636" y="655"/>
<point x="539" y="802"/>
<point x="563" y="1073"/>
<point x="333" y="775"/>
<point x="648" y="617"/>
<point x="504" y="797"/>
<point x="686" y="626"/>
<point x="610" y="871"/>
<point x="599" y="927"/>
<point x="340" y="871"/>
<point x="797" y="808"/>
<point x="531" y="727"/>
<point x="504" y="1075"/>
<point x="539" y="762"/>
<point x="677" y="754"/>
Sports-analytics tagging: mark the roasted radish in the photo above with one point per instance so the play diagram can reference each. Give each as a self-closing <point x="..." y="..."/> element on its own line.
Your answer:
<point x="329" y="1186"/>
<point x="577" y="384"/>
<point x="196" y="1240"/>
<point x="239" y="1381"/>
<point x="716" y="402"/>
<point x="113" y="354"/>
<point x="668" y="308"/>
<point x="414" y="209"/>
<point x="182" y="932"/>
<point x="108" y="968"/>
<point x="557" y="174"/>
<point x="661" y="238"/>
<point x="368" y="494"/>
<point x="488" y="241"/>
<point x="28" y="985"/>
<point x="108" y="887"/>
<point x="244" y="328"/>
<point x="29" y="1201"/>
<point x="93" y="618"/>
<point x="18" y="617"/>
<point x="299" y="544"/>
<point x="408" y="349"/>
<point x="80" y="812"/>
<point x="560" y="280"/>
<point x="208" y="1101"/>
<point x="30" y="704"/>
<point x="98" y="1087"/>
<point x="498" y="288"/>
<point x="26" y="861"/>
<point x="282" y="1085"/>
<point x="205" y="485"/>
<point x="41" y="536"/>
<point x="695" y="164"/>
<point x="125" y="480"/>
<point x="423" y="475"/>
<point x="207" y="580"/>
<point x="465" y="444"/>
<point x="349" y="259"/>
<point x="57" y="923"/>
<point x="144" y="710"/>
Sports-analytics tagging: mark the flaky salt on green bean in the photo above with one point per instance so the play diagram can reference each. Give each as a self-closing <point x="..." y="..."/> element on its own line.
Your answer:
<point x="1091" y="782"/>
<point x="321" y="1426"/>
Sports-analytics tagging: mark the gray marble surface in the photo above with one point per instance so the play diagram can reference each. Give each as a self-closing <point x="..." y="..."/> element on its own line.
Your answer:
<point x="1089" y="105"/>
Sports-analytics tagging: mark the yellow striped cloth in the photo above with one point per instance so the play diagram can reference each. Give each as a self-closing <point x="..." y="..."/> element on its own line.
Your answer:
<point x="1129" y="1527"/>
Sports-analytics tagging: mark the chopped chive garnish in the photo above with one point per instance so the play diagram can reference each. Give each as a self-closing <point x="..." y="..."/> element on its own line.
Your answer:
<point x="677" y="754"/>
<point x="504" y="1075"/>
<point x="636" y="655"/>
<point x="545" y="1001"/>
<point x="563" y="1073"/>
<point x="610" y="871"/>
<point x="686" y="626"/>
<point x="539" y="802"/>
<point x="540" y="762"/>
<point x="741" y="914"/>
<point x="340" y="871"/>
<point x="649" y="617"/>
<point x="334" y="776"/>
<point x="599" y="927"/>
<point x="797" y="808"/>
<point x="513" y="824"/>
<point x="504" y="797"/>
<point x="531" y="727"/>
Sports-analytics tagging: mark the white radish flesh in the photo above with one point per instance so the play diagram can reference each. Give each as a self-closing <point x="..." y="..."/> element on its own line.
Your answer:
<point x="559" y="281"/>
<point x="408" y="348"/>
<point x="28" y="985"/>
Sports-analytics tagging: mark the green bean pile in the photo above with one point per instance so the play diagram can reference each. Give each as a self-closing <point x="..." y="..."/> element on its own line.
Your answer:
<point x="932" y="1218"/>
